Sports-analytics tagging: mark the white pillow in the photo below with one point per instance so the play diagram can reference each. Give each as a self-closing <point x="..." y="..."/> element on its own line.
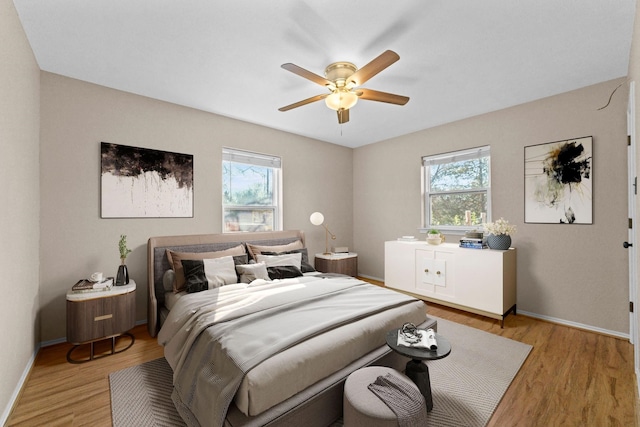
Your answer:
<point x="220" y="271"/>
<point x="168" y="278"/>
<point x="281" y="260"/>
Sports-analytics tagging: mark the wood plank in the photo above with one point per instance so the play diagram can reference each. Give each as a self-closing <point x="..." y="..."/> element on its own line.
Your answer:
<point x="61" y="393"/>
<point x="571" y="377"/>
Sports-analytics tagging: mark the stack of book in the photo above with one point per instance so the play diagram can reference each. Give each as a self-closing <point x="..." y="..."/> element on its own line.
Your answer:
<point x="85" y="285"/>
<point x="473" y="243"/>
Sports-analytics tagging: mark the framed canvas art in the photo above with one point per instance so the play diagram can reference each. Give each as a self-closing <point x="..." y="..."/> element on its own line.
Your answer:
<point x="143" y="183"/>
<point x="558" y="182"/>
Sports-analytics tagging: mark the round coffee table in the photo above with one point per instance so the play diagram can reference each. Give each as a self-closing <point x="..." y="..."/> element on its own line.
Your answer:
<point x="417" y="371"/>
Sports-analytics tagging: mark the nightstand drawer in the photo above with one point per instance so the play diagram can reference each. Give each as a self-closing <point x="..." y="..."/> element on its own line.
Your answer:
<point x="337" y="263"/>
<point x="96" y="318"/>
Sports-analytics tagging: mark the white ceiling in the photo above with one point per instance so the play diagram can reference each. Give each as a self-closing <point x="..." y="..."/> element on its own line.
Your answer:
<point x="458" y="58"/>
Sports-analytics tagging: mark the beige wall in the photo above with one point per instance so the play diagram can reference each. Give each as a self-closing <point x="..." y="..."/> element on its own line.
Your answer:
<point x="19" y="209"/>
<point x="577" y="273"/>
<point x="77" y="116"/>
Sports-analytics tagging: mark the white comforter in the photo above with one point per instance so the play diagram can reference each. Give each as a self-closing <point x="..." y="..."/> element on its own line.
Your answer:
<point x="213" y="338"/>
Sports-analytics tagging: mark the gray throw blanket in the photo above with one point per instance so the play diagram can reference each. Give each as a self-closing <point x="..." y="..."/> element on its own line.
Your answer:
<point x="405" y="401"/>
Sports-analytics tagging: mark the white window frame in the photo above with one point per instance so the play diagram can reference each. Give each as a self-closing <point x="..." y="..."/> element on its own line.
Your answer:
<point x="258" y="159"/>
<point x="452" y="157"/>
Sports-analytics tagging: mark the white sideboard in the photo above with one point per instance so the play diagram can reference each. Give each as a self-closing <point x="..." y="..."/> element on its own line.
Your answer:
<point x="481" y="281"/>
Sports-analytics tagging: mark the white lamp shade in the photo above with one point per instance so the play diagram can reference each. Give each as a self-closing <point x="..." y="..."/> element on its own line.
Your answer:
<point x="341" y="100"/>
<point x="316" y="218"/>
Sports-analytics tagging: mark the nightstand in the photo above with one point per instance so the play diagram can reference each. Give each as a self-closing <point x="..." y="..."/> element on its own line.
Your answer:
<point x="346" y="263"/>
<point x="96" y="316"/>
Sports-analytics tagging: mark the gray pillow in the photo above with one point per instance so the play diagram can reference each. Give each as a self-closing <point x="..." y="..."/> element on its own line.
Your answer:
<point x="168" y="278"/>
<point x="250" y="272"/>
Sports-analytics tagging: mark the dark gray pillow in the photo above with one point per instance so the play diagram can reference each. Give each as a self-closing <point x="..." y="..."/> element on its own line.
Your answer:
<point x="305" y="267"/>
<point x="195" y="278"/>
<point x="283" y="272"/>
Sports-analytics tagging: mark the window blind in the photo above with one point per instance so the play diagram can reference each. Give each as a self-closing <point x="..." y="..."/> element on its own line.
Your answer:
<point x="458" y="156"/>
<point x="250" y="158"/>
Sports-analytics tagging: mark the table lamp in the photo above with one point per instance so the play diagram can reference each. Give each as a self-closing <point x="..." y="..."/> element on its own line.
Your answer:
<point x="317" y="218"/>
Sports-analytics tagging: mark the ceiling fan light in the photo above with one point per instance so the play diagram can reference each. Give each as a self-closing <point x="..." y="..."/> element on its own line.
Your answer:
<point x="341" y="100"/>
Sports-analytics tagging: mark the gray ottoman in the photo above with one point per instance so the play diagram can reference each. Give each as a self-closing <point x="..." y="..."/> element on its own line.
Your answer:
<point x="361" y="406"/>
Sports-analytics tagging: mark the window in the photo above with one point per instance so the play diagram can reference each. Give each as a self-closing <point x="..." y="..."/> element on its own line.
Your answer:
<point x="251" y="191"/>
<point x="457" y="189"/>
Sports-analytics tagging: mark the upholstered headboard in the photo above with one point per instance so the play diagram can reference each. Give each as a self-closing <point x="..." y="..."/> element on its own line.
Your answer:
<point x="157" y="262"/>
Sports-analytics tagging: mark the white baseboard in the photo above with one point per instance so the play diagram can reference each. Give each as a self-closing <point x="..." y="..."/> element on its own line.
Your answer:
<point x="559" y="321"/>
<point x="575" y="325"/>
<point x="18" y="388"/>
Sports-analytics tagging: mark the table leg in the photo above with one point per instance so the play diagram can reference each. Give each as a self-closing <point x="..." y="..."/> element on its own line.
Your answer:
<point x="418" y="372"/>
<point x="92" y="355"/>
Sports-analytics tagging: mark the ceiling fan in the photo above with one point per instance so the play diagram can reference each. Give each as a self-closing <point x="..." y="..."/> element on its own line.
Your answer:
<point x="343" y="80"/>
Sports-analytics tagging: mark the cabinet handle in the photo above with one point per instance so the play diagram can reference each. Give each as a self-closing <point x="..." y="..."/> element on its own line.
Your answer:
<point x="426" y="270"/>
<point x="438" y="273"/>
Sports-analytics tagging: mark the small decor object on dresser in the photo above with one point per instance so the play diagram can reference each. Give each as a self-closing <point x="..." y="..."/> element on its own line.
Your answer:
<point x="434" y="237"/>
<point x="499" y="234"/>
<point x="499" y="242"/>
<point x="122" y="277"/>
<point x="85" y="285"/>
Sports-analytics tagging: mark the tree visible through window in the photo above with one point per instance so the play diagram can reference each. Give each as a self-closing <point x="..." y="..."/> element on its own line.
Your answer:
<point x="250" y="191"/>
<point x="457" y="189"/>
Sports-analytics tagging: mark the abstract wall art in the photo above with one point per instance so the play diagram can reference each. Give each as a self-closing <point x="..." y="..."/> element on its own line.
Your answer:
<point x="558" y="182"/>
<point x="143" y="183"/>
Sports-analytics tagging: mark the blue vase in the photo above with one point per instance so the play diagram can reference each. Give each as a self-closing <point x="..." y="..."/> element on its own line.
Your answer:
<point x="500" y="241"/>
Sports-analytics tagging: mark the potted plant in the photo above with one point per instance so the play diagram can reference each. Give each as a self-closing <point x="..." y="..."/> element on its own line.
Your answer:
<point x="500" y="233"/>
<point x="122" y="277"/>
<point x="434" y="237"/>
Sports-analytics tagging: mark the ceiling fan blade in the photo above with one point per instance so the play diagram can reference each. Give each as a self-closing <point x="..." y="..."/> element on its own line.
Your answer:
<point x="303" y="102"/>
<point x="387" y="58"/>
<point x="306" y="74"/>
<point x="375" y="95"/>
<point x="343" y="116"/>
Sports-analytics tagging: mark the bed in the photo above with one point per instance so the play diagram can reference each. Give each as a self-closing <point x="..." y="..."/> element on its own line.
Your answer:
<point x="289" y="343"/>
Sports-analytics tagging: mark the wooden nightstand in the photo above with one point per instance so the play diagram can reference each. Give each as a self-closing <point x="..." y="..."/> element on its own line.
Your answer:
<point x="338" y="263"/>
<point x="95" y="316"/>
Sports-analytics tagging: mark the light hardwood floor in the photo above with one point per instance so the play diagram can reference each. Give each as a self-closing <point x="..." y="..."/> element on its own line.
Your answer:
<point x="571" y="378"/>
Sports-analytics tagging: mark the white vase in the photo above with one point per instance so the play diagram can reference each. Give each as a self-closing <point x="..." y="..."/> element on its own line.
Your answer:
<point x="435" y="239"/>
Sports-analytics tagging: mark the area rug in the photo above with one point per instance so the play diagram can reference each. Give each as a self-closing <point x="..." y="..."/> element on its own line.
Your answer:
<point x="467" y="386"/>
<point x="141" y="396"/>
